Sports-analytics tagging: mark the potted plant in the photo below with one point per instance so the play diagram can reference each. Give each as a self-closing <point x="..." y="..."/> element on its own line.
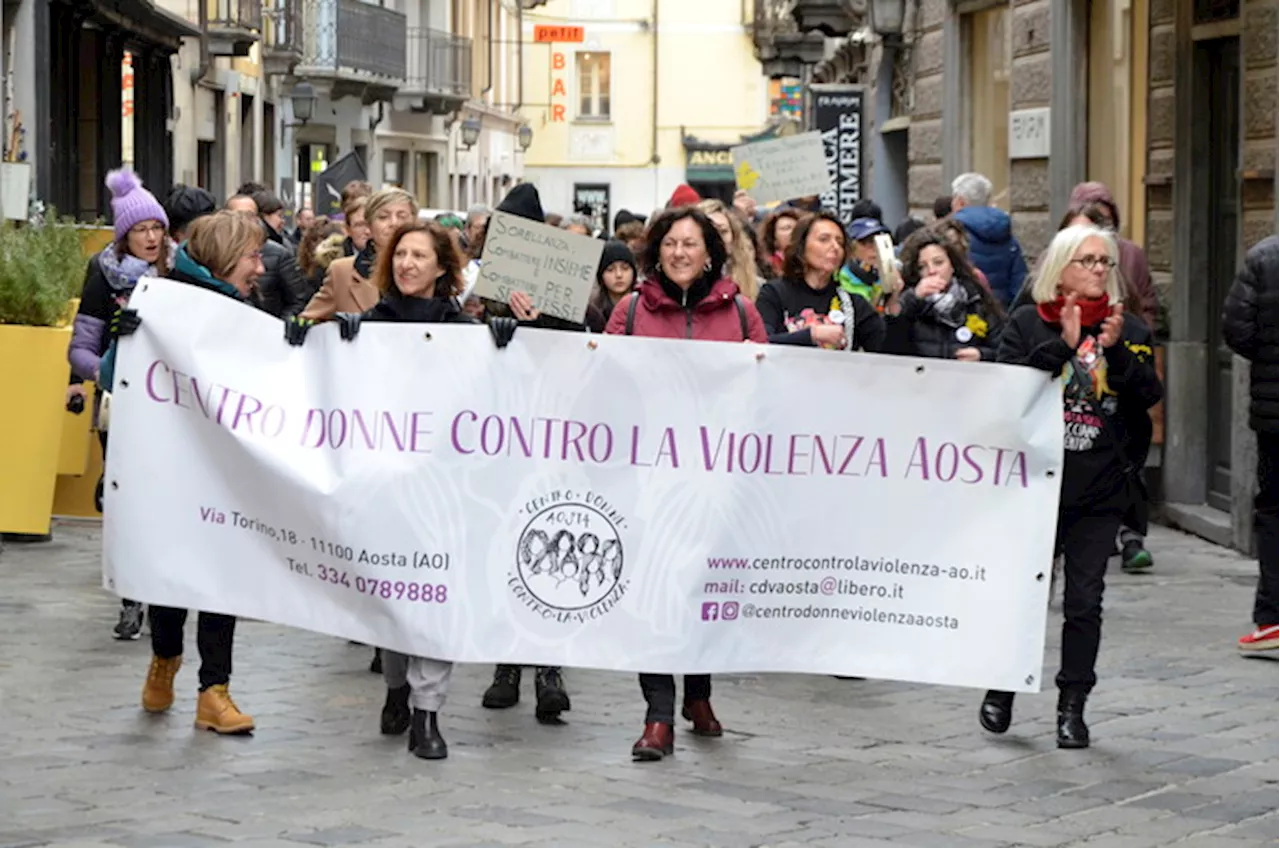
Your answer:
<point x="41" y="270"/>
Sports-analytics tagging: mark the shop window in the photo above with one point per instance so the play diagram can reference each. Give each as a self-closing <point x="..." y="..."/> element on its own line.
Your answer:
<point x="593" y="86"/>
<point x="990" y="58"/>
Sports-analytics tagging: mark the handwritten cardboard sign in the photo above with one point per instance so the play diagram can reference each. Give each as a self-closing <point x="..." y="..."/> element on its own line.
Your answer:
<point x="782" y="168"/>
<point x="557" y="269"/>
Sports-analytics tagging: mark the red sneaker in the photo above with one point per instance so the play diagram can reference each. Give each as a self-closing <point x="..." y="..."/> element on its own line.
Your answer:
<point x="1261" y="640"/>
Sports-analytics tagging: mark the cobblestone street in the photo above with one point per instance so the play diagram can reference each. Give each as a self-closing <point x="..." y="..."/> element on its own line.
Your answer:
<point x="1185" y="742"/>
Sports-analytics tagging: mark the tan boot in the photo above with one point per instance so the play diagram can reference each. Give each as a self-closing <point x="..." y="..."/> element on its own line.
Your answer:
<point x="157" y="692"/>
<point x="217" y="712"/>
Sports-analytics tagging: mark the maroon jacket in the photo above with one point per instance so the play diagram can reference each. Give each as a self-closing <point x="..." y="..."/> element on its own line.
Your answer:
<point x="714" y="318"/>
<point x="1135" y="273"/>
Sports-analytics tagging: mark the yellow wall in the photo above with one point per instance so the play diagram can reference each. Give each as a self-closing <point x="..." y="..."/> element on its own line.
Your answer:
<point x="709" y="81"/>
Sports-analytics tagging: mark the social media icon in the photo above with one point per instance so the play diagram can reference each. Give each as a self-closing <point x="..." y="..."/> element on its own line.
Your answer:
<point x="729" y="611"/>
<point x="711" y="611"/>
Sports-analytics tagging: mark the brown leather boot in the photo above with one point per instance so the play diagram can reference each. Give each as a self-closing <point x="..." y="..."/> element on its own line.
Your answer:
<point x="657" y="741"/>
<point x="217" y="712"/>
<point x="157" y="692"/>
<point x="703" y="718"/>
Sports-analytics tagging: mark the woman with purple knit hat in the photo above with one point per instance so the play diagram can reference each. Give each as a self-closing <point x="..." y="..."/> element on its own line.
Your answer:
<point x="141" y="248"/>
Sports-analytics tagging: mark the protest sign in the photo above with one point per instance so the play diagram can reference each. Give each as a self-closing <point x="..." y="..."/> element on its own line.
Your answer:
<point x="610" y="502"/>
<point x="782" y="168"/>
<point x="556" y="268"/>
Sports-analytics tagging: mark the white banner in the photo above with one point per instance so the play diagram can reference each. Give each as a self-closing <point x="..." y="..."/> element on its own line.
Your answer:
<point x="607" y="502"/>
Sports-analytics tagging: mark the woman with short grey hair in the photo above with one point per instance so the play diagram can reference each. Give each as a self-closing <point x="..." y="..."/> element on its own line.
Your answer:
<point x="1078" y="331"/>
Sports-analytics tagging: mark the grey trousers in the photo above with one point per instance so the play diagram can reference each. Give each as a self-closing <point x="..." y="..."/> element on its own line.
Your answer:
<point x="428" y="679"/>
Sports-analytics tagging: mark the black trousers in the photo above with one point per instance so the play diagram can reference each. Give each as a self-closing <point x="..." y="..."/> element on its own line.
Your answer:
<point x="660" y="694"/>
<point x="1087" y="537"/>
<point x="214" y="636"/>
<point x="1266" y="599"/>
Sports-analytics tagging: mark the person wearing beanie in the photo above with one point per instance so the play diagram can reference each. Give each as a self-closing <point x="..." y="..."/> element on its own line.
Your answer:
<point x="552" y="699"/>
<point x="684" y="195"/>
<point x="185" y="204"/>
<point x="616" y="276"/>
<point x="625" y="216"/>
<point x="141" y="248"/>
<point x="284" y="289"/>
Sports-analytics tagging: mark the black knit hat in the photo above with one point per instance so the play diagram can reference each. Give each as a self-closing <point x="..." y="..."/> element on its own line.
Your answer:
<point x="186" y="203"/>
<point x="615" y="251"/>
<point x="523" y="202"/>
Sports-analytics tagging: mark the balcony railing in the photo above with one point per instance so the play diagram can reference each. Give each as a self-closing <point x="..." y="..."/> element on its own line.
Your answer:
<point x="282" y="34"/>
<point x="350" y="37"/>
<point x="439" y="63"/>
<point x="235" y="14"/>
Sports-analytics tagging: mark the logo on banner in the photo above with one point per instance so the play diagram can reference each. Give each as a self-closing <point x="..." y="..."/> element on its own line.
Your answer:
<point x="569" y="558"/>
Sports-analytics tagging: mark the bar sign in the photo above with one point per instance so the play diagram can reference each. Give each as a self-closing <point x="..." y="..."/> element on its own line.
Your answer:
<point x="545" y="34"/>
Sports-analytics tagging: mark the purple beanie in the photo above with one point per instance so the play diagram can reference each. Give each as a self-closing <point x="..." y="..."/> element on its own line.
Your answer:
<point x="131" y="204"/>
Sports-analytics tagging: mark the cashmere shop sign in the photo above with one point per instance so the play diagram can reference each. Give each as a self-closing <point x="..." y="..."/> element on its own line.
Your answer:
<point x="837" y="115"/>
<point x="556" y="268"/>
<point x="782" y="168"/>
<point x="587" y="501"/>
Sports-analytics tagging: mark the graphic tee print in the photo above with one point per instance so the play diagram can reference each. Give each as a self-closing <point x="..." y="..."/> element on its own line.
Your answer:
<point x="1085" y="393"/>
<point x="809" y="317"/>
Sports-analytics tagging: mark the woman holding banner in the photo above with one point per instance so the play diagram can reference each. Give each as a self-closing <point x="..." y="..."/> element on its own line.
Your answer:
<point x="947" y="313"/>
<point x="808" y="305"/>
<point x="1078" y="330"/>
<point x="683" y="296"/>
<point x="223" y="254"/>
<point x="419" y="277"/>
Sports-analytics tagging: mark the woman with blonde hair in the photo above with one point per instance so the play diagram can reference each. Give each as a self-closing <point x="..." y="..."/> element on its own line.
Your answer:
<point x="741" y="266"/>
<point x="223" y="254"/>
<point x="348" y="287"/>
<point x="1078" y="331"/>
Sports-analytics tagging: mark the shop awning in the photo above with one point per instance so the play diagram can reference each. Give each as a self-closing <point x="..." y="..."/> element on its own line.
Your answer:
<point x="147" y="21"/>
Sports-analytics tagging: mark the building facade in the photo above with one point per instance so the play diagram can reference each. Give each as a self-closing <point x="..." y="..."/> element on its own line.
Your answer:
<point x="1172" y="104"/>
<point x="629" y="98"/>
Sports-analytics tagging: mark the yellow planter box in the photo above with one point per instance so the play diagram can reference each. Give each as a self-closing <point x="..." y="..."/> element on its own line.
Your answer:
<point x="33" y="383"/>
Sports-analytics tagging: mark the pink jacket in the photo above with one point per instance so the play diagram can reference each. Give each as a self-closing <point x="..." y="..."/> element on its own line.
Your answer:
<point x="714" y="318"/>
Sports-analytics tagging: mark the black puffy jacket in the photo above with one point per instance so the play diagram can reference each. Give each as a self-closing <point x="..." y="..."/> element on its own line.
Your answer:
<point x="1249" y="328"/>
<point x="932" y="338"/>
<point x="284" y="289"/>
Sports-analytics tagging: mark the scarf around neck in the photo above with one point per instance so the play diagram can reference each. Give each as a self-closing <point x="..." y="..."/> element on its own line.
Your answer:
<point x="123" y="272"/>
<point x="951" y="306"/>
<point x="1092" y="311"/>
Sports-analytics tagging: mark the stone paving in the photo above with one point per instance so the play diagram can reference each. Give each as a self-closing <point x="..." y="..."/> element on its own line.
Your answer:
<point x="1185" y="742"/>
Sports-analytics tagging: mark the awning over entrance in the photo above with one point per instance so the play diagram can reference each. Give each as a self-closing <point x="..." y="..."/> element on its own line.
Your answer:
<point x="145" y="20"/>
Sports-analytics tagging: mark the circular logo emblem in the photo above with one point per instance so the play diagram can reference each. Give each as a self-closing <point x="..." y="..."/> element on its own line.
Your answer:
<point x="569" y="557"/>
<point x="964" y="334"/>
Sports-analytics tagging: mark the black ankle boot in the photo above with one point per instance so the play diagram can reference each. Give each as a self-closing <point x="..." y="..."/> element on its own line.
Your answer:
<point x="504" y="692"/>
<point x="425" y="741"/>
<point x="552" y="697"/>
<point x="395" y="711"/>
<point x="1072" y="731"/>
<point x="996" y="711"/>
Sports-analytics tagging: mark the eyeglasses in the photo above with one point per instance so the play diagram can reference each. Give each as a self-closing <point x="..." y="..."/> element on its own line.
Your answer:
<point x="1093" y="263"/>
<point x="256" y="256"/>
<point x="147" y="229"/>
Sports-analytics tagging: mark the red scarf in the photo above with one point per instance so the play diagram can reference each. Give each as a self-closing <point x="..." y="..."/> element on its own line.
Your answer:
<point x="1092" y="312"/>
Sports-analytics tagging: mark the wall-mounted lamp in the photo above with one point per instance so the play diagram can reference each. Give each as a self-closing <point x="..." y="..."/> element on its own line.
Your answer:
<point x="524" y="136"/>
<point x="887" y="19"/>
<point x="471" y="132"/>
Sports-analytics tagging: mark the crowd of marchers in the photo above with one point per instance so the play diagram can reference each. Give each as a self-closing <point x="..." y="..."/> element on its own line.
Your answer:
<point x="957" y="288"/>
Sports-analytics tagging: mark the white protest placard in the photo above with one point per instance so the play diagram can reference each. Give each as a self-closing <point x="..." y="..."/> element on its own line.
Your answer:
<point x="630" y="504"/>
<point x="782" y="168"/>
<point x="556" y="268"/>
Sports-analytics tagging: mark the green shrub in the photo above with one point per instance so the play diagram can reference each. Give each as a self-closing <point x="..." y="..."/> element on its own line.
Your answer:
<point x="41" y="268"/>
